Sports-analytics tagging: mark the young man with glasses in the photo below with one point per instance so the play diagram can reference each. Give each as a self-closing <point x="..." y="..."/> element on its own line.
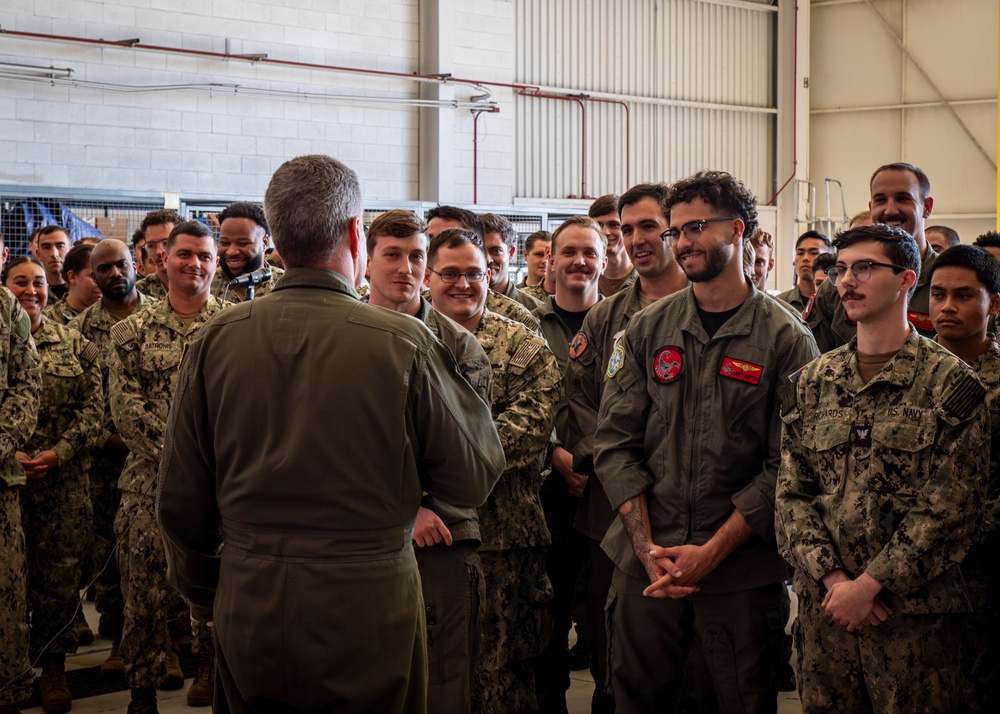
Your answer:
<point x="900" y="197"/>
<point x="687" y="449"/>
<point x="525" y="396"/>
<point x="882" y="484"/>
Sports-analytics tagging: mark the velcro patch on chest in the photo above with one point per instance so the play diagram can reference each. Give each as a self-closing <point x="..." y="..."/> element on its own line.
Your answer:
<point x="668" y="363"/>
<point x="743" y="371"/>
<point x="578" y="345"/>
<point x="808" y="310"/>
<point x="861" y="435"/>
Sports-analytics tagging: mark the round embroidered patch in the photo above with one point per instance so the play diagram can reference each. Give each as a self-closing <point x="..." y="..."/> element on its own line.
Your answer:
<point x="578" y="345"/>
<point x="667" y="364"/>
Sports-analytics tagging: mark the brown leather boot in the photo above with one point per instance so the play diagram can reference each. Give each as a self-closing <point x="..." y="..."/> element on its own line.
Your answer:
<point x="56" y="697"/>
<point x="199" y="694"/>
<point x="143" y="701"/>
<point x="113" y="666"/>
<point x="175" y="675"/>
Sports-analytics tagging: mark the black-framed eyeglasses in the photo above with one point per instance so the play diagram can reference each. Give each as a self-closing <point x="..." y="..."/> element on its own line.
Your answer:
<point x="862" y="270"/>
<point x="692" y="229"/>
<point x="453" y="276"/>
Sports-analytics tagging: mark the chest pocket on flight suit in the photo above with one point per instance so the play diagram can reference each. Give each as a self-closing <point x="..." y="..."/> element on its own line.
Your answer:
<point x="830" y="440"/>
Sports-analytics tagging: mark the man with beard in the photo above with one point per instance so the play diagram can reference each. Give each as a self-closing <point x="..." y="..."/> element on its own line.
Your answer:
<point x="578" y="260"/>
<point x="809" y="246"/>
<point x="901" y="197"/>
<point x="243" y="238"/>
<point x="644" y="219"/>
<point x="619" y="273"/>
<point x="500" y="240"/>
<point x="447" y="538"/>
<point x="687" y="449"/>
<point x="115" y="275"/>
<point x="156" y="227"/>
<point x="144" y="363"/>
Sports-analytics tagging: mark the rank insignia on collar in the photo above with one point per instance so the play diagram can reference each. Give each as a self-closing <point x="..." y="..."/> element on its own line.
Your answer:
<point x="667" y="364"/>
<point x="617" y="361"/>
<point x="743" y="371"/>
<point x="861" y="435"/>
<point x="921" y="320"/>
<point x="578" y="345"/>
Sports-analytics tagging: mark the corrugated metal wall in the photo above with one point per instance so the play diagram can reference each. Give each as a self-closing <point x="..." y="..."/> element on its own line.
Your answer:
<point x="698" y="77"/>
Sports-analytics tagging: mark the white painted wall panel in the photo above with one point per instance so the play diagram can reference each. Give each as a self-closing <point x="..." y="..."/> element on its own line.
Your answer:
<point x="651" y="55"/>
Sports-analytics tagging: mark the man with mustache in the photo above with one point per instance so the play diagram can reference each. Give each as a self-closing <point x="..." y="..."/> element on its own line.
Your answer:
<point x="500" y="240"/>
<point x="881" y="490"/>
<point x="619" y="273"/>
<point x="687" y="449"/>
<point x="900" y="197"/>
<point x="243" y="238"/>
<point x="115" y="275"/>
<point x="578" y="260"/>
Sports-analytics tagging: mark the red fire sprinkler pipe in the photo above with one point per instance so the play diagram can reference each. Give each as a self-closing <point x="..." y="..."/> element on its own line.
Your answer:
<point x="583" y="132"/>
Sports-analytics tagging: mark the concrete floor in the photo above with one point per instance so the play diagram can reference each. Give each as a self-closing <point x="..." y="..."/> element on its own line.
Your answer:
<point x="577" y="699"/>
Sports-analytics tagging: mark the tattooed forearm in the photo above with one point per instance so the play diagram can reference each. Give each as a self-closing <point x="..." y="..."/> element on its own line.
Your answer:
<point x="635" y="518"/>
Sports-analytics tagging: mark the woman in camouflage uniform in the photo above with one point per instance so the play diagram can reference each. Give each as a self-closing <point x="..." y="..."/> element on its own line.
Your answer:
<point x="55" y="503"/>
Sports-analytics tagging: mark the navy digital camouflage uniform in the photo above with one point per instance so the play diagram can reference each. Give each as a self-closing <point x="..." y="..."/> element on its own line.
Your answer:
<point x="55" y="510"/>
<point x="95" y="324"/>
<point x="60" y="312"/>
<point x="151" y="287"/>
<point x="832" y="328"/>
<point x="19" y="385"/>
<point x="885" y="478"/>
<point x="505" y="307"/>
<point x="514" y="292"/>
<point x="526" y="384"/>
<point x="981" y="628"/>
<point x="148" y="349"/>
<point x="535" y="291"/>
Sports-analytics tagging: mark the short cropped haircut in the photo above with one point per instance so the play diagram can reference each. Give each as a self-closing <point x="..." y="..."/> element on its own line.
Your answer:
<point x="396" y="223"/>
<point x="898" y="245"/>
<point x="603" y="205"/>
<point x="814" y="235"/>
<point x="656" y="191"/>
<point x="865" y="215"/>
<point x="469" y="220"/>
<point x="138" y="238"/>
<point x="492" y="223"/>
<point x="49" y="230"/>
<point x="189" y="228"/>
<point x="760" y="238"/>
<point x="824" y="261"/>
<point x="951" y="237"/>
<point x="726" y="194"/>
<point x="984" y="265"/>
<point x="18" y="260"/>
<point x="922" y="180"/>
<point x="581" y="222"/>
<point x="309" y="204"/>
<point x="76" y="260"/>
<point x="159" y="218"/>
<point x="453" y="238"/>
<point x="245" y="209"/>
<point x="530" y="241"/>
<point x="990" y="239"/>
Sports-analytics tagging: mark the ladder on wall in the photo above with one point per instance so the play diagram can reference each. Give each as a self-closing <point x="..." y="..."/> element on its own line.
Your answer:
<point x="805" y="209"/>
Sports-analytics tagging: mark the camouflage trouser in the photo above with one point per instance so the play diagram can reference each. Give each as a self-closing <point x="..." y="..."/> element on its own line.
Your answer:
<point x="16" y="674"/>
<point x="107" y="498"/>
<point x="56" y="515"/>
<point x="150" y="603"/>
<point x="516" y="627"/>
<point x="909" y="663"/>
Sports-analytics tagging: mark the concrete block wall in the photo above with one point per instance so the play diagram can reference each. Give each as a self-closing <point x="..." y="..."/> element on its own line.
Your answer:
<point x="198" y="141"/>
